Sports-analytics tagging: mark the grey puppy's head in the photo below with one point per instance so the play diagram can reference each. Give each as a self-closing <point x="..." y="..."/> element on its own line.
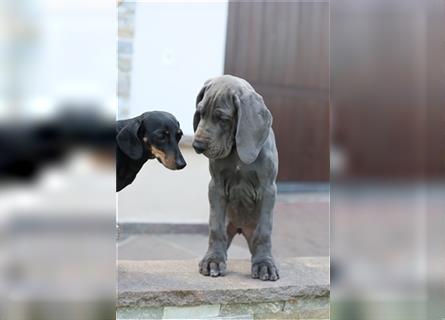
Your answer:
<point x="229" y="113"/>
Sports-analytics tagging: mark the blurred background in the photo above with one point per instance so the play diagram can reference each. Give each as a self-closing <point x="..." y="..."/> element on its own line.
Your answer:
<point x="166" y="52"/>
<point x="387" y="159"/>
<point x="366" y="77"/>
<point x="57" y="172"/>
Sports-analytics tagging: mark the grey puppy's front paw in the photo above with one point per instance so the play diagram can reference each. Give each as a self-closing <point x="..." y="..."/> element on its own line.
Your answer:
<point x="212" y="265"/>
<point x="265" y="270"/>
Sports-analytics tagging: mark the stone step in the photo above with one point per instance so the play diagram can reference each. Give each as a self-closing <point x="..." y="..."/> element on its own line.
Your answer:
<point x="173" y="246"/>
<point x="173" y="289"/>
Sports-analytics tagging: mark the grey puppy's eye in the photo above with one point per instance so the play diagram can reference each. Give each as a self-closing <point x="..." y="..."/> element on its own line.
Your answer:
<point x="222" y="117"/>
<point x="224" y="120"/>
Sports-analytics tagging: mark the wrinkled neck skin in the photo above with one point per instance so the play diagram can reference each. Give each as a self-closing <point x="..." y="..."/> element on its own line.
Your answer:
<point x="263" y="170"/>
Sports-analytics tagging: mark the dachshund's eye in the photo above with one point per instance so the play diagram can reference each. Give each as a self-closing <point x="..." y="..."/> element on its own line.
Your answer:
<point x="161" y="136"/>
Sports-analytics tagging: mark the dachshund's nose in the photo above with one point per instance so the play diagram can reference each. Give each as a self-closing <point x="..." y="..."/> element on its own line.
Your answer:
<point x="199" y="146"/>
<point x="180" y="164"/>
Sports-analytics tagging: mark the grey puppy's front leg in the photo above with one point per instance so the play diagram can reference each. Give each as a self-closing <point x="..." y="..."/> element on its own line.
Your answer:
<point x="263" y="264"/>
<point x="214" y="261"/>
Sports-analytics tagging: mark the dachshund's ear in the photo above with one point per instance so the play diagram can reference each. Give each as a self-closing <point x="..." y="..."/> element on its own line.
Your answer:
<point x="254" y="122"/>
<point x="128" y="140"/>
<point x="199" y="97"/>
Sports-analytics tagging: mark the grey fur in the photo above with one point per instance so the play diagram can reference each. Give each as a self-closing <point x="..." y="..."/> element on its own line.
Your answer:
<point x="233" y="129"/>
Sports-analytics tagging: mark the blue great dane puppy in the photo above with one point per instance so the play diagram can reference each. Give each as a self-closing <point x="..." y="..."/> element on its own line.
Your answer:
<point x="233" y="129"/>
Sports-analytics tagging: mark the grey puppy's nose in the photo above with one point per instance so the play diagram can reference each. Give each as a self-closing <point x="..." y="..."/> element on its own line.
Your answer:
<point x="199" y="146"/>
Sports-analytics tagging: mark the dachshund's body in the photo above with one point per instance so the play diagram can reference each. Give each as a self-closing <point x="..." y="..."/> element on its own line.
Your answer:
<point x="233" y="129"/>
<point x="151" y="135"/>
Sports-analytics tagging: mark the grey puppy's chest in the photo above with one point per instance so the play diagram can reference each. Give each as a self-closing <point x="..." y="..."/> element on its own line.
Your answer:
<point x="240" y="183"/>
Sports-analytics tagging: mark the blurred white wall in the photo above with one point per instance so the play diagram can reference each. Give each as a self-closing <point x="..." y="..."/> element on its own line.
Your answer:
<point x="74" y="47"/>
<point x="177" y="46"/>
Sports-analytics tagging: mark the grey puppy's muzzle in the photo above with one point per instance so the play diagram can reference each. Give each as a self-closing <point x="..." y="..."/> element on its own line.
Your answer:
<point x="199" y="146"/>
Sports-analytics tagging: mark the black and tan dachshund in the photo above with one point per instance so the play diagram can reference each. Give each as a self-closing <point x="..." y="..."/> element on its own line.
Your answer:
<point x="151" y="135"/>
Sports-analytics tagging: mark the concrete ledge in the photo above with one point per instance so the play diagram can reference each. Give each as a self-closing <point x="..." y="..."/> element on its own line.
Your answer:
<point x="154" y="284"/>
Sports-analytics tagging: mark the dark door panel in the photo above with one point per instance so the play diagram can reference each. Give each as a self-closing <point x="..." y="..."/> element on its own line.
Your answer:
<point x="282" y="49"/>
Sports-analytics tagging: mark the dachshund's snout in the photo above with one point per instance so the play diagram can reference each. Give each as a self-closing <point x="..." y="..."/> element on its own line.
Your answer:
<point x="199" y="146"/>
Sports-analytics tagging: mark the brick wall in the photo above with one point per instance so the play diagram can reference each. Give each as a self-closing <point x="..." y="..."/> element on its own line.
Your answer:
<point x="126" y="12"/>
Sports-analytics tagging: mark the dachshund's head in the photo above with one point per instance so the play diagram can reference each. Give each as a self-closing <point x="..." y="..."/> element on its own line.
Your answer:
<point x="153" y="134"/>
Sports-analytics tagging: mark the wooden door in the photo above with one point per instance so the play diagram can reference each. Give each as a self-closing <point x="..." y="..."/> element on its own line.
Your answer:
<point x="282" y="49"/>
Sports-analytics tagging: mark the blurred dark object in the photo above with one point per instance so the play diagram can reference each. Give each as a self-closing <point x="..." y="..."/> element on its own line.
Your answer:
<point x="25" y="147"/>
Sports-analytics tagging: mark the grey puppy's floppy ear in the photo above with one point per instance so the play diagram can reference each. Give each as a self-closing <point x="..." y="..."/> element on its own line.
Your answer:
<point x="199" y="97"/>
<point x="254" y="122"/>
<point x="128" y="140"/>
